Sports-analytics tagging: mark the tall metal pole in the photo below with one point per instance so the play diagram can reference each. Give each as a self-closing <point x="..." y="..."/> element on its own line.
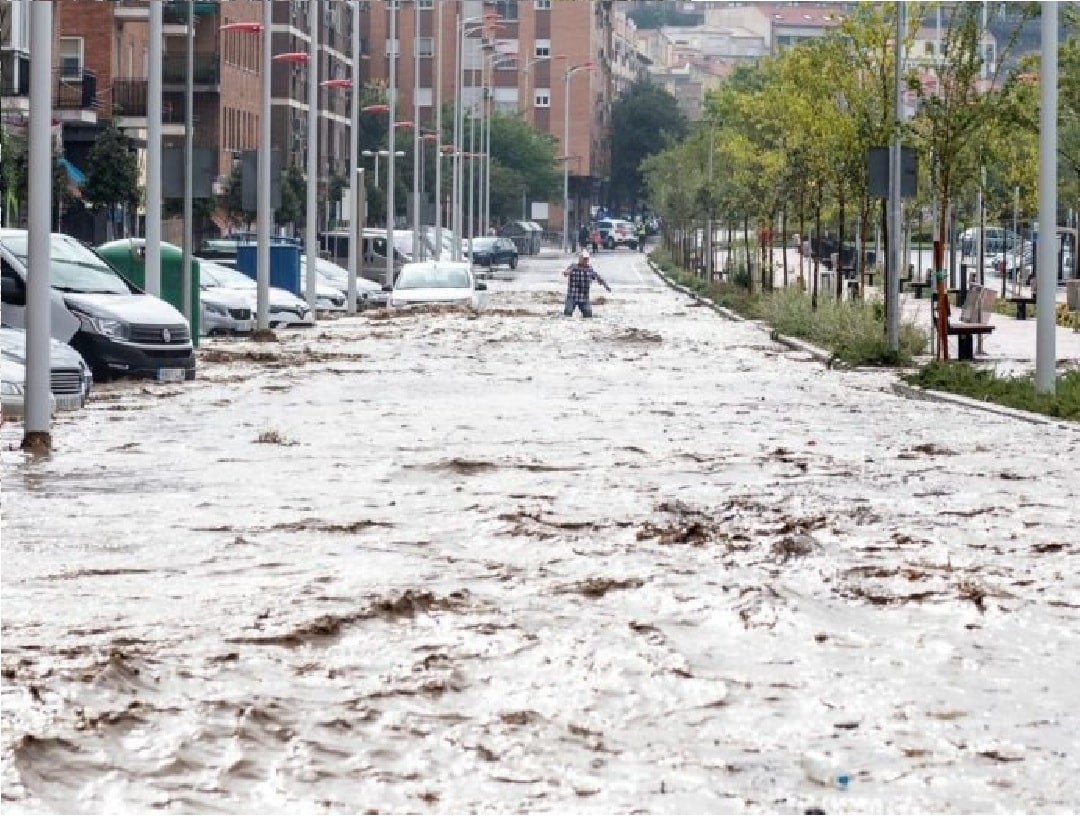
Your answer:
<point x="263" y="201"/>
<point x="488" y="111"/>
<point x="390" y="177"/>
<point x="437" y="77"/>
<point x="566" y="162"/>
<point x="36" y="420"/>
<point x="896" y="244"/>
<point x="418" y="243"/>
<point x="189" y="148"/>
<point x="153" y="150"/>
<point x="1045" y="296"/>
<point x="356" y="184"/>
<point x="472" y="178"/>
<point x="456" y="204"/>
<point x="311" y="215"/>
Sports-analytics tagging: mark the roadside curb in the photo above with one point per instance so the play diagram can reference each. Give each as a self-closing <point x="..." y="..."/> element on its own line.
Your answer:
<point x="919" y="393"/>
<point x="705" y="302"/>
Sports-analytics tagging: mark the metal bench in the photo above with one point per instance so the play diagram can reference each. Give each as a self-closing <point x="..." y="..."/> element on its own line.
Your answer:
<point x="977" y="306"/>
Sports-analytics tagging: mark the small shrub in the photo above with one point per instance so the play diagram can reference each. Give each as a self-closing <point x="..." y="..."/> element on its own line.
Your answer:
<point x="962" y="378"/>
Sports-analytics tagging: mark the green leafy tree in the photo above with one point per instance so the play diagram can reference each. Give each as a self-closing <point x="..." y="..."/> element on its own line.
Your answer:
<point x="233" y="200"/>
<point x="293" y="209"/>
<point x="644" y="120"/>
<point x="523" y="161"/>
<point x="112" y="172"/>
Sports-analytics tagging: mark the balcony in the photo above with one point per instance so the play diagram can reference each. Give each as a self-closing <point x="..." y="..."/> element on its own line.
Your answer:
<point x="15" y="92"/>
<point x="129" y="106"/>
<point x="75" y="96"/>
<point x="206" y="76"/>
<point x="138" y="10"/>
<point x="175" y="12"/>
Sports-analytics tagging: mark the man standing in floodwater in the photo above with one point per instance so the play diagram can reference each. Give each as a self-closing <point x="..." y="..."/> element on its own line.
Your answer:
<point x="580" y="276"/>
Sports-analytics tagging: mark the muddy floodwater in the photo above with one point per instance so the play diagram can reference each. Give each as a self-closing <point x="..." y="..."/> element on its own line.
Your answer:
<point x="446" y="562"/>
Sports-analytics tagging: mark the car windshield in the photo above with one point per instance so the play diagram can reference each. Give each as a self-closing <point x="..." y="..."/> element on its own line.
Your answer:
<point x="73" y="267"/>
<point x="483" y="244"/>
<point x="218" y="275"/>
<point x="422" y="278"/>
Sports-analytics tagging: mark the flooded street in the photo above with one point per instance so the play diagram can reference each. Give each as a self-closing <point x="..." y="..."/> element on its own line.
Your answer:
<point x="440" y="562"/>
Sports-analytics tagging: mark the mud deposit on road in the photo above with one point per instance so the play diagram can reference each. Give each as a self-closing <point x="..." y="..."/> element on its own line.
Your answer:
<point x="450" y="562"/>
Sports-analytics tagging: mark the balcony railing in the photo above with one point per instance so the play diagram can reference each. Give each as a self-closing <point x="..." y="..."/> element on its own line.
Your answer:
<point x="129" y="100"/>
<point x="207" y="69"/>
<point x="75" y="91"/>
<point x="12" y="87"/>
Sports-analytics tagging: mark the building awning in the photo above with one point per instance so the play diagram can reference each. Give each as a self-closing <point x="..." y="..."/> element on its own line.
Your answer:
<point x="74" y="174"/>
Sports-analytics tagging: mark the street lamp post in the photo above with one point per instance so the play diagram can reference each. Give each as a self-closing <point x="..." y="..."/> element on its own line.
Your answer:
<point x="189" y="149"/>
<point x="263" y="202"/>
<point x="392" y="110"/>
<point x="354" y="162"/>
<point x="416" y="221"/>
<point x="311" y="216"/>
<point x="567" y="74"/>
<point x="153" y="149"/>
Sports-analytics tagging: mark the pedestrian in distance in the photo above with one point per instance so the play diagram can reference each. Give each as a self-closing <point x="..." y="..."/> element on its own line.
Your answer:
<point x="595" y="240"/>
<point x="583" y="235"/>
<point x="580" y="277"/>
<point x="642" y="234"/>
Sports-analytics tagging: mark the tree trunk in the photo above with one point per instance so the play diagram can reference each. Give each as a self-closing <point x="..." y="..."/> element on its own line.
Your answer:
<point x="817" y="255"/>
<point x="840" y="253"/>
<point x="783" y="238"/>
<point x="749" y="255"/>
<point x="939" y="274"/>
<point x="803" y="244"/>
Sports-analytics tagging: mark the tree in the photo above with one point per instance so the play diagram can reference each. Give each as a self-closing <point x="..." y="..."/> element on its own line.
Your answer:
<point x="293" y="209"/>
<point x="112" y="172"/>
<point x="643" y="121"/>
<point x="233" y="200"/>
<point x="523" y="161"/>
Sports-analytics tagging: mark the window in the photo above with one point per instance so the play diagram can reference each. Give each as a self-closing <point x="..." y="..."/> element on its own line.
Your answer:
<point x="542" y="5"/>
<point x="542" y="49"/>
<point x="71" y="56"/>
<point x="507" y="9"/>
<point x="424" y="97"/>
<point x="425" y="4"/>
<point x="392" y="47"/>
<point x="425" y="46"/>
<point x="928" y="46"/>
<point x="542" y="98"/>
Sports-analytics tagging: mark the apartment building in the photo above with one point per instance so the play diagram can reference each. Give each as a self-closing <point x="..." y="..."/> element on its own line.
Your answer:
<point x="520" y="51"/>
<point x="101" y="58"/>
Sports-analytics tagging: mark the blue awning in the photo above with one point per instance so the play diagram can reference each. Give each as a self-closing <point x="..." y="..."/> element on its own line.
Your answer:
<point x="74" y="174"/>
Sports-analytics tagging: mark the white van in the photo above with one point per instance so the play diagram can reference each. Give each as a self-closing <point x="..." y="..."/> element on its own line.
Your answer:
<point x="119" y="329"/>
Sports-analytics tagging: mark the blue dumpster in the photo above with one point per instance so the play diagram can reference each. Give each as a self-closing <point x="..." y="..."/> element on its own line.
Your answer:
<point x="284" y="265"/>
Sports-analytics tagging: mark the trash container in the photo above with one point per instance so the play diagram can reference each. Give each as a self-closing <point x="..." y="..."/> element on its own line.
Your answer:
<point x="284" y="265"/>
<point x="128" y="256"/>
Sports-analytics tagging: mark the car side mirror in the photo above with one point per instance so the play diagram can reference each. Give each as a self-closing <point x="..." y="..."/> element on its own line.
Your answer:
<point x="480" y="285"/>
<point x="12" y="291"/>
<point x="387" y="288"/>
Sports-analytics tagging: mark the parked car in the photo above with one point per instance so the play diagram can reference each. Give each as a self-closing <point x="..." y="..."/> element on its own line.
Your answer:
<point x="493" y="251"/>
<point x="329" y="300"/>
<point x="224" y="312"/>
<point x="617" y="233"/>
<point x="118" y="328"/>
<point x="70" y="378"/>
<point x="368" y="293"/>
<point x="13" y="388"/>
<point x="437" y="282"/>
<point x="286" y="310"/>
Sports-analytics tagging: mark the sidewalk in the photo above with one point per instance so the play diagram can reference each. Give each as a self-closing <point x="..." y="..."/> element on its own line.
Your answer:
<point x="1010" y="347"/>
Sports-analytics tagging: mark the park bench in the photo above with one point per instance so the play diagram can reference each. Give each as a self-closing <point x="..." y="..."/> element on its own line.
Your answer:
<point x="973" y="320"/>
<point x="1022" y="302"/>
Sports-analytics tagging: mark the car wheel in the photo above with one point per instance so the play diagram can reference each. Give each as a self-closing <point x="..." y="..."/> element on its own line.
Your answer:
<point x="513" y="262"/>
<point x="609" y="244"/>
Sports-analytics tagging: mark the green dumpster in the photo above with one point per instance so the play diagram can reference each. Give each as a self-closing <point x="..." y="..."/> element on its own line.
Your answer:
<point x="128" y="256"/>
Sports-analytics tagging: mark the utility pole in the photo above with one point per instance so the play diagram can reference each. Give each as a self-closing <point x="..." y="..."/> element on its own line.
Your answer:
<point x="437" y="75"/>
<point x="37" y="419"/>
<point x="896" y="244"/>
<point x="311" y="214"/>
<point x="391" y="178"/>
<point x="153" y="150"/>
<point x="189" y="147"/>
<point x="1045" y="316"/>
<point x="356" y="175"/>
